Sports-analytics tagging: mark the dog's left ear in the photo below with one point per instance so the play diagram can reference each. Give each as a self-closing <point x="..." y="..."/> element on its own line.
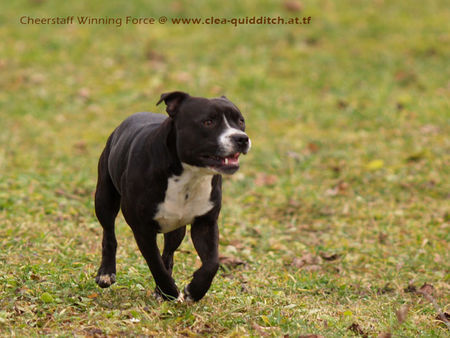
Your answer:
<point x="173" y="101"/>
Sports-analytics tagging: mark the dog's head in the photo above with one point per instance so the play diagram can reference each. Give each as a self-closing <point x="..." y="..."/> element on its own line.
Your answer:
<point x="210" y="132"/>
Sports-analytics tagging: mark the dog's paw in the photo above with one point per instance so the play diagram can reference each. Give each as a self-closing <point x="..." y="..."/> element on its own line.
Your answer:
<point x="186" y="296"/>
<point x="161" y="296"/>
<point x="105" y="280"/>
<point x="158" y="296"/>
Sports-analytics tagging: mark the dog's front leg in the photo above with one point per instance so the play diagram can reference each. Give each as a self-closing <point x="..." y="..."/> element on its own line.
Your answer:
<point x="205" y="236"/>
<point x="146" y="240"/>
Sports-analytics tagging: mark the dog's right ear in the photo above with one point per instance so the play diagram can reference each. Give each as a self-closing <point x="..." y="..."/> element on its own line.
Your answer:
<point x="173" y="101"/>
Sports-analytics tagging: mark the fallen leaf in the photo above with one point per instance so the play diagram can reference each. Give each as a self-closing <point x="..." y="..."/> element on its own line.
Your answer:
<point x="405" y="77"/>
<point x="230" y="262"/>
<point x="382" y="237"/>
<point x="429" y="129"/>
<point x="293" y="6"/>
<point x="313" y="147"/>
<point x="312" y="268"/>
<point x="84" y="93"/>
<point x="183" y="77"/>
<point x="385" y="335"/>
<point x="260" y="329"/>
<point x="294" y="155"/>
<point x="153" y="55"/>
<point x="385" y="289"/>
<point x="410" y="288"/>
<point x="19" y="310"/>
<point x="329" y="256"/>
<point x="35" y="277"/>
<point x="357" y="329"/>
<point x="342" y="104"/>
<point x="263" y="179"/>
<point x="443" y="317"/>
<point x="375" y="165"/>
<point x="427" y="289"/>
<point x="418" y="156"/>
<point x="93" y="331"/>
<point x="306" y="259"/>
<point x="402" y="313"/>
<point x="339" y="189"/>
<point x="93" y="295"/>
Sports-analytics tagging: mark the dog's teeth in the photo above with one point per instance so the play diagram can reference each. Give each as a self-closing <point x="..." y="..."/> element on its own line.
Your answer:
<point x="226" y="160"/>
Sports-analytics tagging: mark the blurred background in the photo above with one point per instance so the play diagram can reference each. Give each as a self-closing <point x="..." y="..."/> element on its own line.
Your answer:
<point x="348" y="118"/>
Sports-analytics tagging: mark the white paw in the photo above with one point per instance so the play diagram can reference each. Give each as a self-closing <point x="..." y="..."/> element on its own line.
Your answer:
<point x="187" y="296"/>
<point x="180" y="298"/>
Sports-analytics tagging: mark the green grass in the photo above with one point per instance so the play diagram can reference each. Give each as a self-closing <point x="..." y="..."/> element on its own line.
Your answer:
<point x="349" y="119"/>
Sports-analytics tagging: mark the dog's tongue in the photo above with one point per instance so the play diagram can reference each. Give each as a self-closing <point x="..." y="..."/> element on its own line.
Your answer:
<point x="232" y="159"/>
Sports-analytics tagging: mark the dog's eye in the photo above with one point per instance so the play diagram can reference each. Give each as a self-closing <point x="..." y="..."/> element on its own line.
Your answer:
<point x="241" y="122"/>
<point x="208" y="123"/>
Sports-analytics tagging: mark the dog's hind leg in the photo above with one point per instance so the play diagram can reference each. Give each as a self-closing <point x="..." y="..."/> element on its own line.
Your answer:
<point x="107" y="205"/>
<point x="172" y="241"/>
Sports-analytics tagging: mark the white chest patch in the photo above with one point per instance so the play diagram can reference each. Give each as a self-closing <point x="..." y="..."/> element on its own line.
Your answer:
<point x="187" y="196"/>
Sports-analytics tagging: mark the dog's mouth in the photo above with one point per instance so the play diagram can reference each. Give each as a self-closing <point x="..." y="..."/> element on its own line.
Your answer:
<point x="223" y="164"/>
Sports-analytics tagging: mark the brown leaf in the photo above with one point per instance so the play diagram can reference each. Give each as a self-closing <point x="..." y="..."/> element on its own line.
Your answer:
<point x="329" y="256"/>
<point x="84" y="93"/>
<point x="443" y="317"/>
<point x="338" y="189"/>
<point x="237" y="244"/>
<point x="357" y="329"/>
<point x="230" y="262"/>
<point x="298" y="262"/>
<point x="405" y="77"/>
<point x="410" y="288"/>
<point x="293" y="6"/>
<point x="342" y="103"/>
<point x="427" y="289"/>
<point x="385" y="289"/>
<point x="153" y="55"/>
<point x="263" y="179"/>
<point x="385" y="335"/>
<point x="80" y="146"/>
<point x="429" y="129"/>
<point x="176" y="6"/>
<point x="93" y="332"/>
<point x="294" y="155"/>
<point x="183" y="77"/>
<point x="260" y="329"/>
<point x="35" y="277"/>
<point x="313" y="147"/>
<point x="306" y="259"/>
<point x="312" y="268"/>
<point x="402" y="313"/>
<point x="93" y="295"/>
<point x="61" y="192"/>
<point x="382" y="237"/>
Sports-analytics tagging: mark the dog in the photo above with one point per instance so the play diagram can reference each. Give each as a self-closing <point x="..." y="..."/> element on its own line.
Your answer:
<point x="165" y="173"/>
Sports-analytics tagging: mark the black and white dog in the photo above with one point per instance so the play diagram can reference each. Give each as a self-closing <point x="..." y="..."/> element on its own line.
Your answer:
<point x="165" y="173"/>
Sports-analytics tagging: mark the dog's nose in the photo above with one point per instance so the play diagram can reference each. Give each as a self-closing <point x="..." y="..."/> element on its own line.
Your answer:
<point x="240" y="140"/>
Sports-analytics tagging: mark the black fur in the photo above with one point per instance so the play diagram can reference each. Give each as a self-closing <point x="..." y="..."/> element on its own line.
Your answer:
<point x="133" y="172"/>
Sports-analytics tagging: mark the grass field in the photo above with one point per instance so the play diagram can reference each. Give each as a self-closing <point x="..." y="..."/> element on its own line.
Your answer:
<point x="337" y="223"/>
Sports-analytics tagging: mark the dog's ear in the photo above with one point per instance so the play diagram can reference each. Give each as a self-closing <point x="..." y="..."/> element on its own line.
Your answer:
<point x="173" y="101"/>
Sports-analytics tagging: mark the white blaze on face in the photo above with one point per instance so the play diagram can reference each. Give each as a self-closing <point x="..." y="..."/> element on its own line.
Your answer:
<point x="225" y="138"/>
